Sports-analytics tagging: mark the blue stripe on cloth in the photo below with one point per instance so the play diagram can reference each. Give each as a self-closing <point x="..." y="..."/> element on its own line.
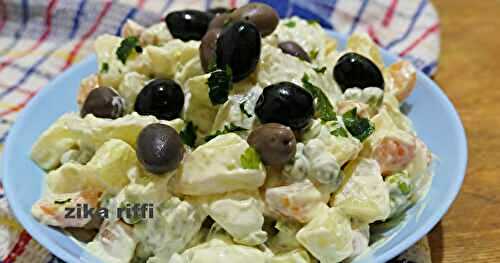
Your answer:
<point x="281" y="6"/>
<point x="22" y="28"/>
<point x="429" y="68"/>
<point x="208" y="3"/>
<point x="37" y="72"/>
<point x="358" y="16"/>
<point x="131" y="13"/>
<point x="3" y="137"/>
<point x="76" y="19"/>
<point x="307" y="14"/>
<point x="413" y="21"/>
<point x="168" y="3"/>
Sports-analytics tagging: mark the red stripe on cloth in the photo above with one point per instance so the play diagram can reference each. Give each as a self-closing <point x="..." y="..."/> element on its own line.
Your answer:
<point x="19" y="106"/>
<point x="3" y="14"/>
<point x="390" y="13"/>
<point x="83" y="39"/>
<point x="232" y="3"/>
<point x="421" y="38"/>
<point x="373" y="35"/>
<point x="43" y="37"/>
<point x="21" y="243"/>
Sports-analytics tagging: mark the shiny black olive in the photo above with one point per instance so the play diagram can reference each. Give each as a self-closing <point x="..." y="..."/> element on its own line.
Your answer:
<point x="354" y="70"/>
<point x="264" y="17"/>
<point x="238" y="47"/>
<point x="162" y="98"/>
<point x="103" y="102"/>
<point x="294" y="49"/>
<point x="285" y="103"/>
<point x="274" y="142"/>
<point x="207" y="49"/>
<point x="159" y="148"/>
<point x="188" y="24"/>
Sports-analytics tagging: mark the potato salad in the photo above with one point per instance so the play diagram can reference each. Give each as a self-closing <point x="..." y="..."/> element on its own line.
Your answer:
<point x="249" y="139"/>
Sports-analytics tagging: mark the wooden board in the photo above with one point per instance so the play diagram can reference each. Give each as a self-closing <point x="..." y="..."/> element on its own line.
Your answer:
<point x="469" y="73"/>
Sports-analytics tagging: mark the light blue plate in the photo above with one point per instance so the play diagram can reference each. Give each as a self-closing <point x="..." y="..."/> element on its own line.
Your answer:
<point x="434" y="118"/>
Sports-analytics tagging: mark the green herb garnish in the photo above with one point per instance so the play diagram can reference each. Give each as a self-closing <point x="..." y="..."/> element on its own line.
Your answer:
<point x="290" y="24"/>
<point x="104" y="67"/>
<point x="359" y="127"/>
<point x="375" y="102"/>
<point x="127" y="46"/>
<point x="219" y="84"/>
<point x="62" y="202"/>
<point x="188" y="134"/>
<point x="324" y="108"/>
<point x="242" y="108"/>
<point x="314" y="53"/>
<point x="250" y="159"/>
<point x="340" y="132"/>
<point x="313" y="22"/>
<point x="320" y="70"/>
<point x="404" y="188"/>
<point x="227" y="129"/>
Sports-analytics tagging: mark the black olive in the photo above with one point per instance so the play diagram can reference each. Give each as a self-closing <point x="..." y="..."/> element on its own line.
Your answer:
<point x="285" y="103"/>
<point x="207" y="49"/>
<point x="264" y="17"/>
<point x="162" y="98"/>
<point x="103" y="102"/>
<point x="274" y="142"/>
<point x="238" y="47"/>
<point x="354" y="70"/>
<point x="159" y="148"/>
<point x="188" y="24"/>
<point x="294" y="49"/>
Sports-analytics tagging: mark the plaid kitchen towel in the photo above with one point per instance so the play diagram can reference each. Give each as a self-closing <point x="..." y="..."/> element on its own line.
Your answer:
<point x="41" y="38"/>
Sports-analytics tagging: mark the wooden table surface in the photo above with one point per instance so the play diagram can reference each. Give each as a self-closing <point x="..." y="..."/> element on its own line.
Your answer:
<point x="469" y="73"/>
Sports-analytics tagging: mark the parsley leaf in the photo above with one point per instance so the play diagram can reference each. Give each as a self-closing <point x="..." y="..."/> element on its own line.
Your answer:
<point x="359" y="127"/>
<point x="323" y="106"/>
<point x="227" y="129"/>
<point x="219" y="84"/>
<point x="314" y="53"/>
<point x="250" y="159"/>
<point x="313" y="22"/>
<point x="104" y="67"/>
<point x="404" y="188"/>
<point x="339" y="132"/>
<point x="188" y="134"/>
<point x="320" y="70"/>
<point x="242" y="108"/>
<point x="126" y="47"/>
<point x="62" y="202"/>
<point x="290" y="24"/>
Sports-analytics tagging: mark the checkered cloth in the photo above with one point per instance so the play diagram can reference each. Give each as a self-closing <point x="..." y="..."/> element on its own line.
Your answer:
<point x="41" y="38"/>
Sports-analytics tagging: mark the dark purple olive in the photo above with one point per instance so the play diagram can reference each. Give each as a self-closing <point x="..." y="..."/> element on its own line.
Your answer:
<point x="103" y="102"/>
<point x="354" y="70"/>
<point x="264" y="17"/>
<point x="207" y="49"/>
<point x="238" y="47"/>
<point x="188" y="24"/>
<point x="220" y="21"/>
<point x="275" y="143"/>
<point x="218" y="11"/>
<point x="294" y="49"/>
<point x="162" y="98"/>
<point x="159" y="148"/>
<point x="285" y="103"/>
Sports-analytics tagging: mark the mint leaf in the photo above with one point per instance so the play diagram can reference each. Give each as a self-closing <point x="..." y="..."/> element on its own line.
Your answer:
<point x="290" y="24"/>
<point x="62" y="202"/>
<point x="242" y="108"/>
<point x="127" y="46"/>
<point x="323" y="106"/>
<point x="188" y="134"/>
<point x="219" y="85"/>
<point x="250" y="159"/>
<point x="320" y="70"/>
<point x="339" y="132"/>
<point x="359" y="127"/>
<point x="104" y="67"/>
<point x="227" y="129"/>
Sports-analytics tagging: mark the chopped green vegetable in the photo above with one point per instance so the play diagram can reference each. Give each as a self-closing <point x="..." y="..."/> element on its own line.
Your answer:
<point x="339" y="132"/>
<point x="227" y="129"/>
<point x="314" y="53"/>
<point x="323" y="106"/>
<point x="313" y="22"/>
<point x="359" y="127"/>
<point x="127" y="46"/>
<point x="188" y="134"/>
<point x="250" y="159"/>
<point x="290" y="24"/>
<point x="320" y="70"/>
<point x="104" y="67"/>
<point x="219" y="85"/>
<point x="242" y="108"/>
<point x="62" y="202"/>
<point x="404" y="188"/>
